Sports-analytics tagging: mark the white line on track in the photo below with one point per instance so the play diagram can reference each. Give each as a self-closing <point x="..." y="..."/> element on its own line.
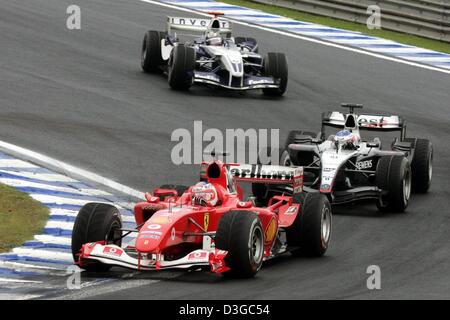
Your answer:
<point x="24" y="183"/>
<point x="18" y="280"/>
<point x="325" y="43"/>
<point x="68" y="169"/>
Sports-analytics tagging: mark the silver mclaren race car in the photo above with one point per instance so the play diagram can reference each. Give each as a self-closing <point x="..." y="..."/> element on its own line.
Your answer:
<point x="211" y="56"/>
<point x="347" y="167"/>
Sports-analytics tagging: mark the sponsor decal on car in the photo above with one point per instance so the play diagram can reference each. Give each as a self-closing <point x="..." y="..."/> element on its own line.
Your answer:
<point x="196" y="22"/>
<point x="271" y="230"/>
<point x="158" y="233"/>
<point x="206" y="221"/>
<point x="173" y="234"/>
<point x="260" y="81"/>
<point x="366" y="164"/>
<point x="291" y="210"/>
<point x="112" y="251"/>
<point x="154" y="226"/>
<point x="161" y="220"/>
<point x="207" y="76"/>
<point x="150" y="236"/>
<point x="197" y="255"/>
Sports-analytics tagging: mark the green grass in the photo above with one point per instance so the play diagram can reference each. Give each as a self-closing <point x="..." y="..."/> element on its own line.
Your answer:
<point x="21" y="217"/>
<point x="346" y="25"/>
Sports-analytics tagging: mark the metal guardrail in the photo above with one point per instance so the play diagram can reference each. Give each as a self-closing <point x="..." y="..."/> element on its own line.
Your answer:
<point x="425" y="18"/>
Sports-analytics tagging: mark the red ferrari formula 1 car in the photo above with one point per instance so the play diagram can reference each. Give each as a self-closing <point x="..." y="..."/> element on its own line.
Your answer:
<point x="207" y="225"/>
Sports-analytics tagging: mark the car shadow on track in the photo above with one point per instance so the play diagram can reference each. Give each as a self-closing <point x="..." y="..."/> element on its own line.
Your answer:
<point x="200" y="276"/>
<point x="364" y="210"/>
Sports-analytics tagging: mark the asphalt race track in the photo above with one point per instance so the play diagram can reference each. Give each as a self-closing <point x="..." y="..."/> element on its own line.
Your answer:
<point x="80" y="96"/>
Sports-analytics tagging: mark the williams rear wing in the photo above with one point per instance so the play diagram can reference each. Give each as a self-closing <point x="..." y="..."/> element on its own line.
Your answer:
<point x="197" y="25"/>
<point x="269" y="174"/>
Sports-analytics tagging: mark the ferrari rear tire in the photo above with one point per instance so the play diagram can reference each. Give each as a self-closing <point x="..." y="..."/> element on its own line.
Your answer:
<point x="181" y="67"/>
<point x="241" y="233"/>
<point x="96" y="222"/>
<point x="310" y="233"/>
<point x="421" y="164"/>
<point x="151" y="58"/>
<point x="276" y="66"/>
<point x="394" y="178"/>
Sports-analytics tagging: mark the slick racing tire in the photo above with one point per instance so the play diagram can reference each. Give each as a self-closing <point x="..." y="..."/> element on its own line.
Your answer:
<point x="276" y="66"/>
<point x="241" y="233"/>
<point x="263" y="192"/>
<point x="178" y="188"/>
<point x="151" y="59"/>
<point x="394" y="178"/>
<point x="421" y="164"/>
<point x="302" y="158"/>
<point x="310" y="233"/>
<point x="181" y="67"/>
<point x="96" y="222"/>
<point x="241" y="40"/>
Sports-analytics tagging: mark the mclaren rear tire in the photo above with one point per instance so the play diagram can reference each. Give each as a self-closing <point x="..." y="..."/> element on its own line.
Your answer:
<point x="261" y="191"/>
<point x="421" y="164"/>
<point x="394" y="178"/>
<point x="302" y="158"/>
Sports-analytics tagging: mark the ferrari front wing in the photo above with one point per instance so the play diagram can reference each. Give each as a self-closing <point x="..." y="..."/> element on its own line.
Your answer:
<point x="128" y="258"/>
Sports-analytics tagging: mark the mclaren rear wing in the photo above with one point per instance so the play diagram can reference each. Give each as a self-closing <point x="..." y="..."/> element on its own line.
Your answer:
<point x="369" y="122"/>
<point x="196" y="25"/>
<point x="269" y="174"/>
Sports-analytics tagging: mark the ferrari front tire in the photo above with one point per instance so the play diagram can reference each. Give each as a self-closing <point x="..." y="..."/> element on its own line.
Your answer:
<point x="276" y="66"/>
<point x="310" y="233"/>
<point x="181" y="67"/>
<point x="241" y="233"/>
<point x="151" y="55"/>
<point x="96" y="222"/>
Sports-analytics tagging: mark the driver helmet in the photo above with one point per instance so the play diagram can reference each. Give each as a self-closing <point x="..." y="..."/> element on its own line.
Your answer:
<point x="205" y="194"/>
<point x="346" y="139"/>
<point x="213" y="38"/>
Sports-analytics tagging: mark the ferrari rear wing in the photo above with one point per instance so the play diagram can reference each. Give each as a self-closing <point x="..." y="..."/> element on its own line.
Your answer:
<point x="269" y="174"/>
<point x="196" y="25"/>
<point x="366" y="122"/>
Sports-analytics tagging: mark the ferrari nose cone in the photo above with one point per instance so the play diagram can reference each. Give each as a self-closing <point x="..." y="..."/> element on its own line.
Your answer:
<point x="153" y="233"/>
